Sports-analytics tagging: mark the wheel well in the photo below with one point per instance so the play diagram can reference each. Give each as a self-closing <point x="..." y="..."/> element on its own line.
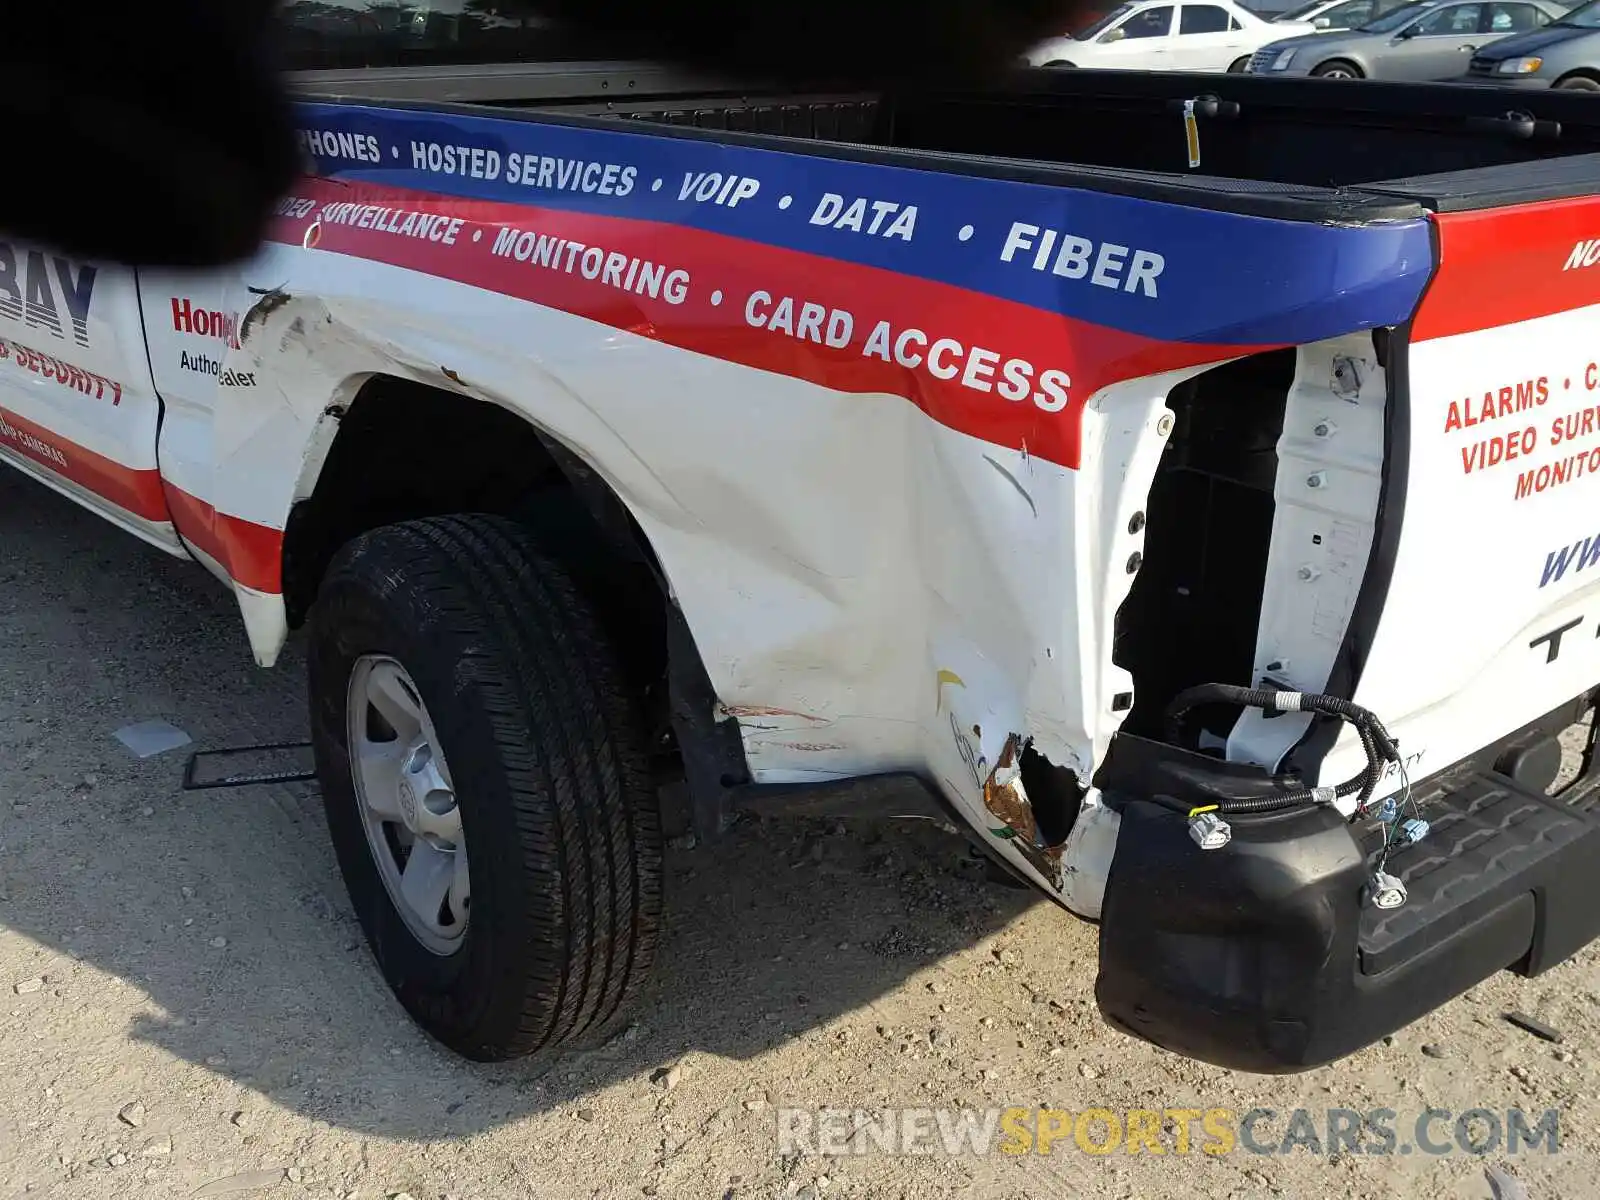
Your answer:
<point x="1343" y="62"/>
<point x="1580" y="73"/>
<point x="405" y="450"/>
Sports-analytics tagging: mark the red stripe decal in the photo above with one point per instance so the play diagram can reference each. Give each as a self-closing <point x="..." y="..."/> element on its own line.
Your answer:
<point x="1001" y="371"/>
<point x="135" y="491"/>
<point x="251" y="554"/>
<point x="1503" y="265"/>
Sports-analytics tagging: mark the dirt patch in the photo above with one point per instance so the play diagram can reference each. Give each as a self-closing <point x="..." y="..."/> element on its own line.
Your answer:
<point x="185" y="998"/>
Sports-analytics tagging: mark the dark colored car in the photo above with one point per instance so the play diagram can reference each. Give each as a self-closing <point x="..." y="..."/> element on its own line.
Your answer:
<point x="1564" y="54"/>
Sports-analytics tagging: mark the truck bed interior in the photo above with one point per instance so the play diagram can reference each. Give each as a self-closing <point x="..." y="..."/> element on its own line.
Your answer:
<point x="1267" y="145"/>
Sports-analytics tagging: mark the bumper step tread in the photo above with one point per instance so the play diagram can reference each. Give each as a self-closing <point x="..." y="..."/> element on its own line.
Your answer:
<point x="1266" y="955"/>
<point x="1488" y="840"/>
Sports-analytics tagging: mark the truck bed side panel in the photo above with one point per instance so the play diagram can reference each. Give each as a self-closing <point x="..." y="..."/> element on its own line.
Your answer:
<point x="885" y="428"/>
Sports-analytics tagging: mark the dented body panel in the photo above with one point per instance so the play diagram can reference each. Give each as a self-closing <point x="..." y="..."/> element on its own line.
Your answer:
<point x="886" y="429"/>
<point x="954" y="468"/>
<point x="889" y="464"/>
<point x="888" y="426"/>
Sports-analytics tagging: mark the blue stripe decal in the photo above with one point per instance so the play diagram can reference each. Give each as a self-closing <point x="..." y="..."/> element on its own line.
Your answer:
<point x="1164" y="271"/>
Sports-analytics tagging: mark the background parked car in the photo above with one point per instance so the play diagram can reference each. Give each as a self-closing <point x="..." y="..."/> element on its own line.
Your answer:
<point x="1564" y="54"/>
<point x="1160" y="35"/>
<point x="1431" y="40"/>
<point x="1331" y="15"/>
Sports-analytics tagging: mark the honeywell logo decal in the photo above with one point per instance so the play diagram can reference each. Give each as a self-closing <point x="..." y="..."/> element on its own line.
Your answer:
<point x="205" y="322"/>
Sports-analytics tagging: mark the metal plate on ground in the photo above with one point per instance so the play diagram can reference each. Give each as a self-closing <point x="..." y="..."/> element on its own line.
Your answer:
<point x="283" y="762"/>
<point x="148" y="738"/>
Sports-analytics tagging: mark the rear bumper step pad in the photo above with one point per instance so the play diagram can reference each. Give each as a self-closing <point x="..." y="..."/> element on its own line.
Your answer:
<point x="1264" y="955"/>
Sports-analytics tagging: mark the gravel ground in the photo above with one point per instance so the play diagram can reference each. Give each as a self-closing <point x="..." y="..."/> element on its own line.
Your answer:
<point x="184" y="999"/>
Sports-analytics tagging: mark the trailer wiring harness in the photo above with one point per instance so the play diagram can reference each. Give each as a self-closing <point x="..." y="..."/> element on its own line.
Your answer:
<point x="1398" y="814"/>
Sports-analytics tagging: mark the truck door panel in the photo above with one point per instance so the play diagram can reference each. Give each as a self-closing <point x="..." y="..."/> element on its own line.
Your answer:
<point x="1443" y="42"/>
<point x="192" y="328"/>
<point x="78" y="408"/>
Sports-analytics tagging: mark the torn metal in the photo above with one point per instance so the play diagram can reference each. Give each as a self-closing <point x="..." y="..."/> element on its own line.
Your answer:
<point x="1006" y="798"/>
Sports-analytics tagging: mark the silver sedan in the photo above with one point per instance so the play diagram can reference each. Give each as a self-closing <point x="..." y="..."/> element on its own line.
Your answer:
<point x="1433" y="39"/>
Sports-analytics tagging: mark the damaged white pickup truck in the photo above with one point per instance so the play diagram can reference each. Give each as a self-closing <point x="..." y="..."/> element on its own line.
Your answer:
<point x="1218" y="542"/>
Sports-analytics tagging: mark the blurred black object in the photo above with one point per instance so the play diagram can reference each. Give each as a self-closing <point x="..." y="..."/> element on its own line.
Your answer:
<point x="153" y="132"/>
<point x="158" y="132"/>
<point x="805" y="40"/>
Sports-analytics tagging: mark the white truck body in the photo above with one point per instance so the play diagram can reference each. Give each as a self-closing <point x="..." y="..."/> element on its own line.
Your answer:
<point x="889" y="430"/>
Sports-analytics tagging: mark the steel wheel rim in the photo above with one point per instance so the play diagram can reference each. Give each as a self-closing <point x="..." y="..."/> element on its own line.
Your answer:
<point x="407" y="803"/>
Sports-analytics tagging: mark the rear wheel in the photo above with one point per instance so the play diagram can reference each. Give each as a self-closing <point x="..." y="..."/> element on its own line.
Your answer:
<point x="1237" y="66"/>
<point x="1336" y="68"/>
<point x="464" y="700"/>
<point x="1060" y="62"/>
<point x="1579" y="83"/>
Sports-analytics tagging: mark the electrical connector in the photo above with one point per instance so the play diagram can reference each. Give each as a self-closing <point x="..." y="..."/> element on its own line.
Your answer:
<point x="1388" y="809"/>
<point x="1415" y="830"/>
<point x="1209" y="831"/>
<point x="1386" y="891"/>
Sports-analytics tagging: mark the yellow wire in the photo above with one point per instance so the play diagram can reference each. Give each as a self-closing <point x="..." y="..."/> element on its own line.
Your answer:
<point x="1195" y="812"/>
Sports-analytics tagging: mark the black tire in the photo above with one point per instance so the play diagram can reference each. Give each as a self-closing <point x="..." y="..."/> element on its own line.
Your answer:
<point x="1061" y="62"/>
<point x="1579" y="83"/>
<point x="1337" y="68"/>
<point x="1237" y="66"/>
<point x="548" y="766"/>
